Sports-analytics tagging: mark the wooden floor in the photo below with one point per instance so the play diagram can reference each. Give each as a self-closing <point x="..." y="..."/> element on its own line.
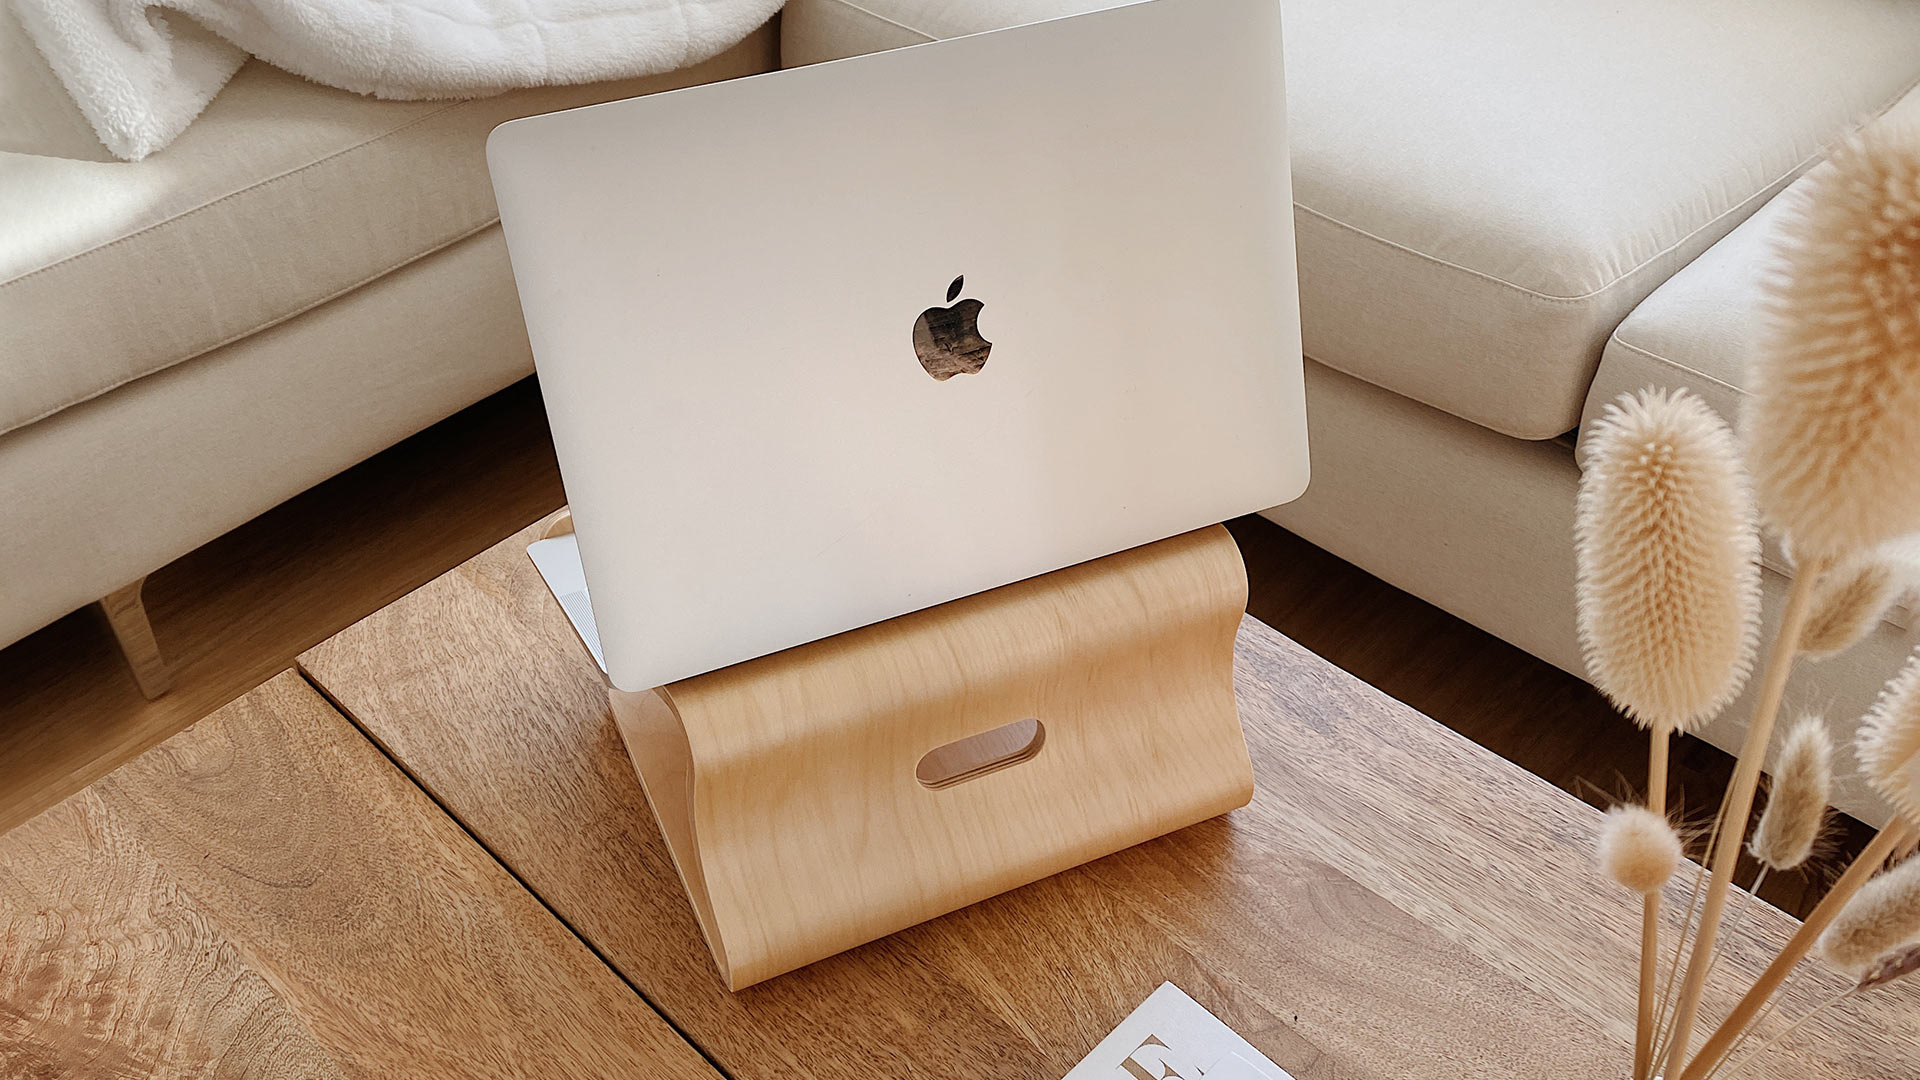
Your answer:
<point x="239" y="610"/>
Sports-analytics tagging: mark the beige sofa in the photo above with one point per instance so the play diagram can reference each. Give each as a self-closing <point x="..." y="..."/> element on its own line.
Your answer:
<point x="1508" y="212"/>
<point x="305" y="277"/>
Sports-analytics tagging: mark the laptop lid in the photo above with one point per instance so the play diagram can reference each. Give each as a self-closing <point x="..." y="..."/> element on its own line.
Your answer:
<point x="828" y="345"/>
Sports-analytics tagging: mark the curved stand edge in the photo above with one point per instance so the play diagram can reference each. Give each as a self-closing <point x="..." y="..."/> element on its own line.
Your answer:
<point x="786" y="785"/>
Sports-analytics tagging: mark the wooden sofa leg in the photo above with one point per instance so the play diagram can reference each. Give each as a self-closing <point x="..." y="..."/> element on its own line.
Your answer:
<point x="128" y="617"/>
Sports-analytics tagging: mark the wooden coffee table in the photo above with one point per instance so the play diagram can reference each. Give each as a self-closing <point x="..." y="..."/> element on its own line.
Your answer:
<point x="426" y="854"/>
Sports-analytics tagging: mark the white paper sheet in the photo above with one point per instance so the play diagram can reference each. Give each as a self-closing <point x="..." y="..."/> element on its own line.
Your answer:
<point x="1172" y="1036"/>
<point x="558" y="560"/>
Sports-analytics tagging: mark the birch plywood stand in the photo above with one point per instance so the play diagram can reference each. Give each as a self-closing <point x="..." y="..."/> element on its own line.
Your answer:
<point x="834" y="793"/>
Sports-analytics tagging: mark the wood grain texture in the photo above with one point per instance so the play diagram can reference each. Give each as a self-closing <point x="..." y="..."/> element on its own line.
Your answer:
<point x="1529" y="712"/>
<point x="264" y="895"/>
<point x="127" y="617"/>
<point x="1496" y="859"/>
<point x="1395" y="901"/>
<point x="109" y="970"/>
<point x="786" y="787"/>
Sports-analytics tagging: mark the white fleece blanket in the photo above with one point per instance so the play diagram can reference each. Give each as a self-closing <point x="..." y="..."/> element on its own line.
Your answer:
<point x="141" y="70"/>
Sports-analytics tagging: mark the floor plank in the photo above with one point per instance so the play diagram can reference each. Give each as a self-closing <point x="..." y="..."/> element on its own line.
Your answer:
<point x="264" y="895"/>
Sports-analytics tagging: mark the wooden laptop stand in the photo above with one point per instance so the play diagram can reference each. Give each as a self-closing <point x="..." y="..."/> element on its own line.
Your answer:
<point x="831" y="794"/>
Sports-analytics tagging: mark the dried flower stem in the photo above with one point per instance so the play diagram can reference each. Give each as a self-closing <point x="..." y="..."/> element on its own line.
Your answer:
<point x="1797" y="947"/>
<point x="1649" y="974"/>
<point x="1739" y="804"/>
<point x="1668" y="999"/>
<point x="1660" y="737"/>
<point x="1735" y="1046"/>
<point x="1788" y="1033"/>
<point x="1742" y="903"/>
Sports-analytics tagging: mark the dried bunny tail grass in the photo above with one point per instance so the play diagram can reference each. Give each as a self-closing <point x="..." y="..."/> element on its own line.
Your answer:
<point x="1797" y="804"/>
<point x="1833" y="426"/>
<point x="1881" y="917"/>
<point x="1891" y="967"/>
<point x="1848" y="601"/>
<point x="1888" y="744"/>
<point x="1669" y="573"/>
<point x="1638" y="848"/>
<point x="1903" y="557"/>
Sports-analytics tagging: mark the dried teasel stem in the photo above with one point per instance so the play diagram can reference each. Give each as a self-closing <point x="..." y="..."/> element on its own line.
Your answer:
<point x="1890" y="967"/>
<point x="1805" y="1017"/>
<point x="1869" y="861"/>
<point x="1661" y="739"/>
<point x="1742" y="903"/>
<point x="1734" y="1047"/>
<point x="1649" y="975"/>
<point x="1663" y="1041"/>
<point x="1796" y="809"/>
<point x="1739" y="803"/>
<point x="1663" y="1016"/>
<point x="1668" y="587"/>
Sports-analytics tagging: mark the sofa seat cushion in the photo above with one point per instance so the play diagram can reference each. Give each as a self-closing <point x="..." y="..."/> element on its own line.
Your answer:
<point x="1702" y="329"/>
<point x="1483" y="191"/>
<point x="282" y="195"/>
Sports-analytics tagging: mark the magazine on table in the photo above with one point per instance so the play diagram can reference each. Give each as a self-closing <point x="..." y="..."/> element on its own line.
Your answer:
<point x="1173" y="1036"/>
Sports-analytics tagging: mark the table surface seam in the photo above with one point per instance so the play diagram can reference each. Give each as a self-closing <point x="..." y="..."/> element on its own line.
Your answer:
<point x="346" y="713"/>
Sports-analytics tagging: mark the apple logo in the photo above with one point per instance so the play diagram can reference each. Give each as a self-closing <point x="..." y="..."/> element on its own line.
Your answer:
<point x="947" y="339"/>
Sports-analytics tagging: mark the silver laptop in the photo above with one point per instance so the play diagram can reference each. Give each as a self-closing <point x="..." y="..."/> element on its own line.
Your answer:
<point x="825" y="346"/>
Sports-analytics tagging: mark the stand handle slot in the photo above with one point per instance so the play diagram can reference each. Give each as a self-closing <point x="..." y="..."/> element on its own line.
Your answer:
<point x="978" y="755"/>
